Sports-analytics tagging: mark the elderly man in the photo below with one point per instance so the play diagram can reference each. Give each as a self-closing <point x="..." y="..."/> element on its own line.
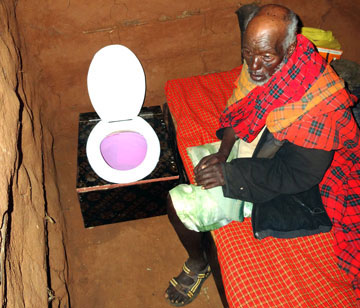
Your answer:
<point x="289" y="111"/>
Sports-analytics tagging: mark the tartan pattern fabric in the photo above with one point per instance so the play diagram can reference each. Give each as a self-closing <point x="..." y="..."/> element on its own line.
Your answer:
<point x="330" y="126"/>
<point x="255" y="273"/>
<point x="248" y="115"/>
<point x="328" y="89"/>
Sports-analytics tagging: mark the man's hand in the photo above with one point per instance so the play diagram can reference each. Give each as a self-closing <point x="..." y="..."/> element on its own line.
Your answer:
<point x="209" y="160"/>
<point x="208" y="172"/>
<point x="210" y="175"/>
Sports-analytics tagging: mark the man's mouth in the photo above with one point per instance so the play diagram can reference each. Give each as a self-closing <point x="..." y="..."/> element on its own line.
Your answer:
<point x="256" y="77"/>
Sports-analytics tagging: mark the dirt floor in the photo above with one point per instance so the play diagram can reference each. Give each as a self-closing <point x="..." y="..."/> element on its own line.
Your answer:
<point x="120" y="265"/>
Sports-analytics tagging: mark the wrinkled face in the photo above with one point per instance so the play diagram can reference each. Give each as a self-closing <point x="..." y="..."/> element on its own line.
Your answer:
<point x="263" y="54"/>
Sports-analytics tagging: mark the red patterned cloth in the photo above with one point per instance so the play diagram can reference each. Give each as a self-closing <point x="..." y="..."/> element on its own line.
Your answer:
<point x="248" y="116"/>
<point x="331" y="126"/>
<point x="314" y="115"/>
<point x="196" y="104"/>
<point x="281" y="273"/>
<point x="269" y="273"/>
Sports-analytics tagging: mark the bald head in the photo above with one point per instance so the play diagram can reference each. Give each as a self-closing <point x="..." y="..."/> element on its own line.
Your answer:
<point x="275" y="11"/>
<point x="276" y="18"/>
<point x="270" y="36"/>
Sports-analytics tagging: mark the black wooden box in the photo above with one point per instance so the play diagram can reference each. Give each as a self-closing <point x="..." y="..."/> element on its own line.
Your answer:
<point x="103" y="203"/>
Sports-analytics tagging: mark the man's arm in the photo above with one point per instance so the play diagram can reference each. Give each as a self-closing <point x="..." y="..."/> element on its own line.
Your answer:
<point x="227" y="142"/>
<point x="292" y="170"/>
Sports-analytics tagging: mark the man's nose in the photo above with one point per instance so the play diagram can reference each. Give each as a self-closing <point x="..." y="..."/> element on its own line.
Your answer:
<point x="255" y="63"/>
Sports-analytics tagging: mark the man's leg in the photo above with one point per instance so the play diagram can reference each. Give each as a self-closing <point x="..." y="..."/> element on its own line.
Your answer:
<point x="192" y="242"/>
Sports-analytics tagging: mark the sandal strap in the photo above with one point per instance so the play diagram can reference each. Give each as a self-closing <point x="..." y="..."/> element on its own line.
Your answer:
<point x="179" y="287"/>
<point x="198" y="278"/>
<point x="202" y="274"/>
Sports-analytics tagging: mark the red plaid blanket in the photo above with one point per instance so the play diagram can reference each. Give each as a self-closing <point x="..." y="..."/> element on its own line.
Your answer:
<point x="248" y="116"/>
<point x="269" y="279"/>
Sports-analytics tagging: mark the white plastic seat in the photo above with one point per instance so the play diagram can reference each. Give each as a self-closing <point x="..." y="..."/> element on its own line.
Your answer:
<point x="116" y="86"/>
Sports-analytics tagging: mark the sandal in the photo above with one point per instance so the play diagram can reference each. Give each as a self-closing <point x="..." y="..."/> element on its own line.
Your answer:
<point x="192" y="290"/>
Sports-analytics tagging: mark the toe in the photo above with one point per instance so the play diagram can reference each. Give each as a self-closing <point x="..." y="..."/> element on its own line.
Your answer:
<point x="174" y="296"/>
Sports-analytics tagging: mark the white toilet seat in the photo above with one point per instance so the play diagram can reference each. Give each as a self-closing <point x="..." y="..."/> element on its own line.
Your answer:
<point x="100" y="166"/>
<point x="116" y="83"/>
<point x="116" y="86"/>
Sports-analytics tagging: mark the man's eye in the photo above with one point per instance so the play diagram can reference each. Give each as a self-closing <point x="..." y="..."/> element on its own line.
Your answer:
<point x="267" y="58"/>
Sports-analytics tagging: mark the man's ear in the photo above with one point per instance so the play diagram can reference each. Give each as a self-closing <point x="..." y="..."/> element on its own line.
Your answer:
<point x="291" y="49"/>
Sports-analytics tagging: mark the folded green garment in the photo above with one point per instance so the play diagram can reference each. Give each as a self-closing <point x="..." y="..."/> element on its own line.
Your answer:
<point x="205" y="210"/>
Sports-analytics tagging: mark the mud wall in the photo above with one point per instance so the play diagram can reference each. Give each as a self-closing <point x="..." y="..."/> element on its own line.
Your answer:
<point x="171" y="38"/>
<point x="31" y="223"/>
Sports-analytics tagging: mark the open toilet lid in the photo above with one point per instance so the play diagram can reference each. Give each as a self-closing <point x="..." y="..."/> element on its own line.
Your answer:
<point x="116" y="83"/>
